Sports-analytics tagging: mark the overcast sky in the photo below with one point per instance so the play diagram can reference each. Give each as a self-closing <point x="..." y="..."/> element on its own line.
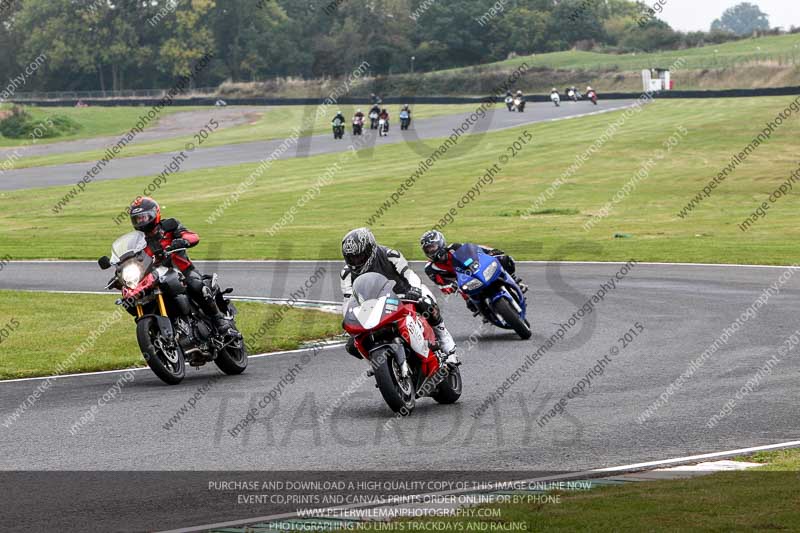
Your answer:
<point x="692" y="15"/>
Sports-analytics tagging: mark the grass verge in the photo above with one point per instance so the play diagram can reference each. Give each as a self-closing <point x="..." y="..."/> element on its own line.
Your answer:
<point x="93" y="121"/>
<point x="273" y="123"/>
<point x="362" y="183"/>
<point x="45" y="328"/>
<point x="753" y="500"/>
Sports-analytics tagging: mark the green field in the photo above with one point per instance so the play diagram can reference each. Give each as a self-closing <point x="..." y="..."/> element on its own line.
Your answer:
<point x="781" y="49"/>
<point x="716" y="130"/>
<point x="45" y="332"/>
<point x="763" y="499"/>
<point x="94" y="122"/>
<point x="272" y="123"/>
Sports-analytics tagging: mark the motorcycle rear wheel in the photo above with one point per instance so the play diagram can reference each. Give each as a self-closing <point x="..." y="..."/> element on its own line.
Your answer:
<point x="503" y="308"/>
<point x="399" y="394"/>
<point x="152" y="343"/>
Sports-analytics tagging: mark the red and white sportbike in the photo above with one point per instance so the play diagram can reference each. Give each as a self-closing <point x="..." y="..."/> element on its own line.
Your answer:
<point x="399" y="344"/>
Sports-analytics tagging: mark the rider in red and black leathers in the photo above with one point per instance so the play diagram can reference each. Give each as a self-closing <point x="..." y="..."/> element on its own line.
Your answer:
<point x="441" y="271"/>
<point x="167" y="235"/>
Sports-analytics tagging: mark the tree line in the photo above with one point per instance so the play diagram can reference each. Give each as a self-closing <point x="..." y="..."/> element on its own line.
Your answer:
<point x="129" y="44"/>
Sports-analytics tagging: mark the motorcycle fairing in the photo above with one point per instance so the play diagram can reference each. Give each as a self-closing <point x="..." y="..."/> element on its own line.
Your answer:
<point x="412" y="330"/>
<point x="420" y="337"/>
<point x="472" y="264"/>
<point x="373" y="304"/>
<point x="370" y="313"/>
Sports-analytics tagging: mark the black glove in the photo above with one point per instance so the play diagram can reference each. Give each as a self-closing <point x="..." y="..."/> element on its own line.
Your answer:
<point x="413" y="293"/>
<point x="177" y="244"/>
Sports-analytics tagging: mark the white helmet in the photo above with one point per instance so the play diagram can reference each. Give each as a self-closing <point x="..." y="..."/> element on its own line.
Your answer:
<point x="358" y="250"/>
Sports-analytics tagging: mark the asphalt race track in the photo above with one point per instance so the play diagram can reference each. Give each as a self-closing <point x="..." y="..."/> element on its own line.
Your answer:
<point x="682" y="308"/>
<point x="184" y="123"/>
<point x="233" y="154"/>
<point x="327" y="420"/>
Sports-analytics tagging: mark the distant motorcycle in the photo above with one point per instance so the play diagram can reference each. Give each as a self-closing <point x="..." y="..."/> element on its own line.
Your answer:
<point x="373" y="120"/>
<point x="171" y="329"/>
<point x="573" y="95"/>
<point x="556" y="99"/>
<point x="491" y="289"/>
<point x="519" y="104"/>
<point x="358" y="125"/>
<point x="591" y="95"/>
<point x="338" y="129"/>
<point x="399" y="344"/>
<point x="405" y="119"/>
<point x="383" y="127"/>
<point x="510" y="103"/>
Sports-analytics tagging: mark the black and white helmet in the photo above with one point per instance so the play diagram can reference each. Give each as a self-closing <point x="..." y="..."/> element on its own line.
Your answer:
<point x="358" y="249"/>
<point x="434" y="246"/>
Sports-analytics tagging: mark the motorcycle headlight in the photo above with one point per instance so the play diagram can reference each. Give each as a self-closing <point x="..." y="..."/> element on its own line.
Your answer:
<point x="490" y="270"/>
<point x="472" y="284"/>
<point x="131" y="275"/>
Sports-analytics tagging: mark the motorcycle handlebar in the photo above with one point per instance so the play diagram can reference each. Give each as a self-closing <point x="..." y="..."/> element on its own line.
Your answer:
<point x="170" y="252"/>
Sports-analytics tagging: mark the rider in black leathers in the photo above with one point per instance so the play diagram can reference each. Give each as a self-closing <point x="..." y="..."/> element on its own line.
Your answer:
<point x="363" y="254"/>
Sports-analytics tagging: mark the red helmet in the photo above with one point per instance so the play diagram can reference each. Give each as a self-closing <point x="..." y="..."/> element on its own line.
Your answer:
<point x="145" y="214"/>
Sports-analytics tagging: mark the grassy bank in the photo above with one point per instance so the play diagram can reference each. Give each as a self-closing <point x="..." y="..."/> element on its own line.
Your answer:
<point x="754" y="500"/>
<point x="93" y="122"/>
<point x="44" y="329"/>
<point x="716" y="130"/>
<point x="772" y="61"/>
<point x="781" y="49"/>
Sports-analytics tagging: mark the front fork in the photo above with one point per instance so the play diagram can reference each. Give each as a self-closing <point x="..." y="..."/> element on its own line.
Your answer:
<point x="162" y="308"/>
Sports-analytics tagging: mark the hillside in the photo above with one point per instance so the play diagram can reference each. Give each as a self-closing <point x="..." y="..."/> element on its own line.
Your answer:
<point x="750" y="63"/>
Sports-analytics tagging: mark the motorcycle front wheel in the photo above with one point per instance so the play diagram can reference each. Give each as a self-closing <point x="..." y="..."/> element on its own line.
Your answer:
<point x="503" y="308"/>
<point x="397" y="392"/>
<point x="233" y="359"/>
<point x="449" y="391"/>
<point x="168" y="364"/>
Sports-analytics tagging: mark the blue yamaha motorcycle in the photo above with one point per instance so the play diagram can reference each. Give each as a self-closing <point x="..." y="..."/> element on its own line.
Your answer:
<point x="491" y="289"/>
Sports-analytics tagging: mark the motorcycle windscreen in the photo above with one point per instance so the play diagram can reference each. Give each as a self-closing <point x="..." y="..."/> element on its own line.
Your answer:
<point x="373" y="296"/>
<point x="466" y="258"/>
<point x="128" y="245"/>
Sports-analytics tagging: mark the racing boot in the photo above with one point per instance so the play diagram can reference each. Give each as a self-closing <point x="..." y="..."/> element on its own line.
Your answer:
<point x="222" y="324"/>
<point x="447" y="344"/>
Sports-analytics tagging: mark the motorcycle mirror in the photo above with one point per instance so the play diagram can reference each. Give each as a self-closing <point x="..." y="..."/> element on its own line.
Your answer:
<point x="104" y="262"/>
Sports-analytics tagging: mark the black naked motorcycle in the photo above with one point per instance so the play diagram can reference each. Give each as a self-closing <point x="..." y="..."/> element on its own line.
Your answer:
<point x="171" y="329"/>
<point x="338" y="129"/>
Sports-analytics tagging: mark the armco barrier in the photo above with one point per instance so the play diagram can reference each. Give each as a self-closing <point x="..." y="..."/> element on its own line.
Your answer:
<point x="262" y="101"/>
